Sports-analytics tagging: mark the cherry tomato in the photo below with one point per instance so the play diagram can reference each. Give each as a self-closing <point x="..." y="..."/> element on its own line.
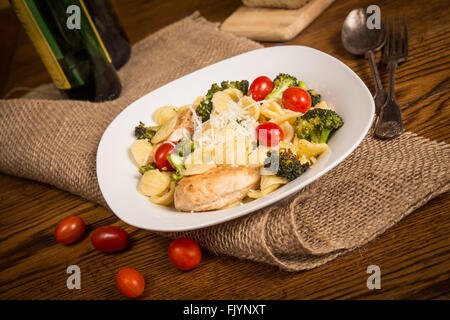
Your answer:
<point x="109" y="239"/>
<point x="184" y="253"/>
<point x="269" y="134"/>
<point x="296" y="99"/>
<point x="161" y="156"/>
<point x="69" y="230"/>
<point x="260" y="88"/>
<point x="130" y="282"/>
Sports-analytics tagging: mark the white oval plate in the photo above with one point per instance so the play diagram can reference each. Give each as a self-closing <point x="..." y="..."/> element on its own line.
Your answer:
<point x="339" y="86"/>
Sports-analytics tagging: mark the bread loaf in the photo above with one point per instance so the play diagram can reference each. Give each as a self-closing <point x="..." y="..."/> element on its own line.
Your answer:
<point x="284" y="4"/>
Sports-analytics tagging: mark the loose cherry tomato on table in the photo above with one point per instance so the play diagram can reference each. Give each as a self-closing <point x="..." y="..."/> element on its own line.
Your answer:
<point x="260" y="88"/>
<point x="184" y="253"/>
<point x="130" y="282"/>
<point x="69" y="230"/>
<point x="109" y="239"/>
<point x="296" y="99"/>
<point x="269" y="134"/>
<point x="161" y="154"/>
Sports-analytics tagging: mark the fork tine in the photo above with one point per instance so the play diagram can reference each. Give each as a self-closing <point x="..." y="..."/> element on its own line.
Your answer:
<point x="392" y="51"/>
<point x="405" y="39"/>
<point x="400" y="38"/>
<point x="387" y="35"/>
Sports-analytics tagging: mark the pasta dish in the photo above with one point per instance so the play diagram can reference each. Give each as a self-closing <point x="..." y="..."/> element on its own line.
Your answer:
<point x="237" y="143"/>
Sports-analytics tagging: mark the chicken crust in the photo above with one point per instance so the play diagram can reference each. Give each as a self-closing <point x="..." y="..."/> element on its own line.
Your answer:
<point x="215" y="188"/>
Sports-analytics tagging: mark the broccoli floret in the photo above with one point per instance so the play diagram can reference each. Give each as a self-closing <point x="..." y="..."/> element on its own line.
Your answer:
<point x="204" y="110"/>
<point x="143" y="132"/>
<point x="147" y="167"/>
<point x="285" y="164"/>
<point x="185" y="147"/>
<point x="177" y="163"/>
<point x="302" y="85"/>
<point x="205" y="107"/>
<point x="177" y="158"/>
<point x="315" y="97"/>
<point x="240" y="85"/>
<point x="317" y="125"/>
<point x="281" y="83"/>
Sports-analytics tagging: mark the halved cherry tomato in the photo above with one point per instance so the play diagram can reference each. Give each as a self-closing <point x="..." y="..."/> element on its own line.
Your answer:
<point x="296" y="99"/>
<point x="161" y="156"/>
<point x="130" y="282"/>
<point x="269" y="134"/>
<point x="69" y="230"/>
<point x="109" y="239"/>
<point x="260" y="88"/>
<point x="184" y="253"/>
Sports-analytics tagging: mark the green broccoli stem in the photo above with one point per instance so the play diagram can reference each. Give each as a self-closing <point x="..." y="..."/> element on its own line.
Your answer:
<point x="324" y="136"/>
<point x="177" y="163"/>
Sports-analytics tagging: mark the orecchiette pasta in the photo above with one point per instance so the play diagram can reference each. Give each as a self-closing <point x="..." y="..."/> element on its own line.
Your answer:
<point x="288" y="131"/>
<point x="289" y="116"/>
<point x="309" y="149"/>
<point x="251" y="107"/>
<point x="269" y="180"/>
<point x="323" y="105"/>
<point x="141" y="150"/>
<point x="165" y="130"/>
<point x="154" y="183"/>
<point x="163" y="114"/>
<point x="221" y="101"/>
<point x="234" y="94"/>
<point x="255" y="194"/>
<point x="166" y="198"/>
<point x="271" y="109"/>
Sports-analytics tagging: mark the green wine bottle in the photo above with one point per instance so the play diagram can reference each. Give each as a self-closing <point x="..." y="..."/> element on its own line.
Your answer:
<point x="72" y="51"/>
<point x="110" y="30"/>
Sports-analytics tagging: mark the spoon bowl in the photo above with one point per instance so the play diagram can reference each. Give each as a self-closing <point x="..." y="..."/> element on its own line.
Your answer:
<point x="357" y="38"/>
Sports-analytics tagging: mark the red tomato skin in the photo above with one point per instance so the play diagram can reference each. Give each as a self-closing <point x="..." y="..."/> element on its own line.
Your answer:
<point x="260" y="88"/>
<point x="184" y="253"/>
<point x="272" y="136"/>
<point x="130" y="282"/>
<point x="161" y="154"/>
<point x="109" y="239"/>
<point x="296" y="99"/>
<point x="69" y="230"/>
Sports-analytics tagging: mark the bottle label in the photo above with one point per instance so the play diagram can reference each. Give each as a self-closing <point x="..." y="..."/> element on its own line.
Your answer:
<point x="48" y="48"/>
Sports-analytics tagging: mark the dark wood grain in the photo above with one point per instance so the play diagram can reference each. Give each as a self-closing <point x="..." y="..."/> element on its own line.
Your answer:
<point x="414" y="255"/>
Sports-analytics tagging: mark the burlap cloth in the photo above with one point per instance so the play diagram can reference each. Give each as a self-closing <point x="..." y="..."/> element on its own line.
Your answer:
<point x="55" y="141"/>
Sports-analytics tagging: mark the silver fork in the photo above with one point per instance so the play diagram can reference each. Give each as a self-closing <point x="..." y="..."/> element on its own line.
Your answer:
<point x="389" y="124"/>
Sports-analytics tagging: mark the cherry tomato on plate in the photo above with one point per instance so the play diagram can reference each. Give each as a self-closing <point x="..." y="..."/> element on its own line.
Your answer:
<point x="69" y="230"/>
<point x="296" y="99"/>
<point x="130" y="282"/>
<point x="260" y="88"/>
<point x="109" y="239"/>
<point x="269" y="134"/>
<point x="161" y="156"/>
<point x="184" y="253"/>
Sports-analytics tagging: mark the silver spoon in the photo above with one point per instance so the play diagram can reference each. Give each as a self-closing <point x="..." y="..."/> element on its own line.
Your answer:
<point x="359" y="40"/>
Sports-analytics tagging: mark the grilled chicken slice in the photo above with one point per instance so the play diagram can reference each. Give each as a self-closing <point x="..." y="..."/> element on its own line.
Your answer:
<point x="215" y="188"/>
<point x="184" y="125"/>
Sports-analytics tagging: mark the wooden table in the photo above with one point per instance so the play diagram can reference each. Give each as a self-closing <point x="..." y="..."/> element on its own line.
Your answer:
<point x="414" y="256"/>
